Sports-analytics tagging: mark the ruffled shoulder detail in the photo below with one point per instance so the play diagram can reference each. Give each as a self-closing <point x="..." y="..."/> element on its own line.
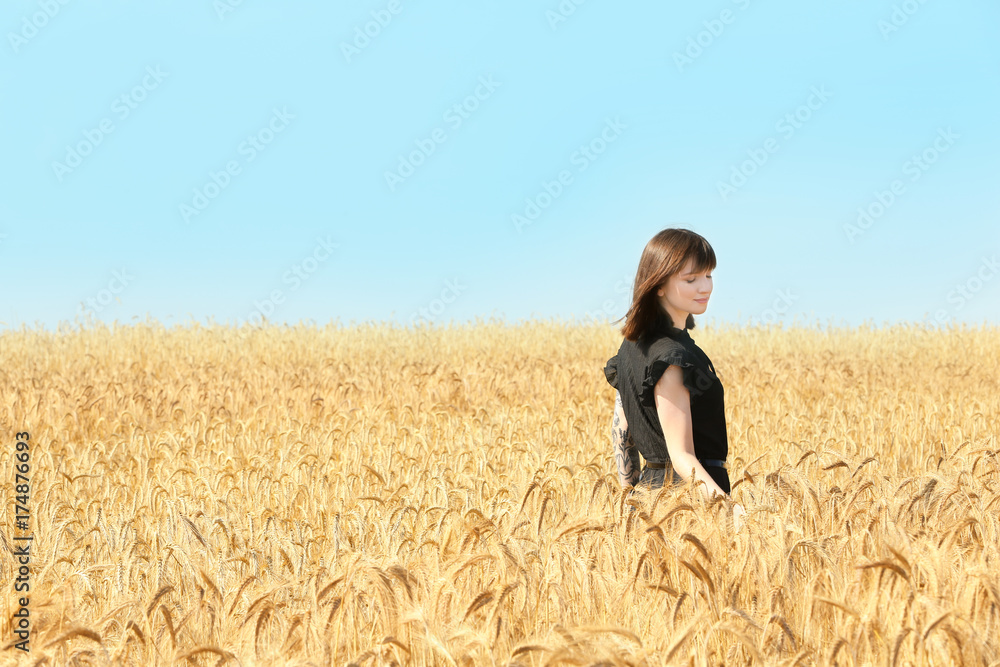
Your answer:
<point x="611" y="371"/>
<point x="671" y="354"/>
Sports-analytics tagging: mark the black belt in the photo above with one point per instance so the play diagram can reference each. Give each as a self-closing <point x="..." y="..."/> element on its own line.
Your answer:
<point x="708" y="463"/>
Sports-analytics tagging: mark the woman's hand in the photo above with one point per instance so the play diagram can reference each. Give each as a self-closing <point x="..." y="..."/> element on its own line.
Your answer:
<point x="738" y="514"/>
<point x="673" y="408"/>
<point x="625" y="452"/>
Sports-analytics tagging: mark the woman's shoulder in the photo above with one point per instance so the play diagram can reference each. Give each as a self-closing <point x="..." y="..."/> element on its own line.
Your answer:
<point x="661" y="345"/>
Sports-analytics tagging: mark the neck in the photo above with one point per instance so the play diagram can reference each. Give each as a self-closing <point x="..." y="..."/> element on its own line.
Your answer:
<point x="679" y="319"/>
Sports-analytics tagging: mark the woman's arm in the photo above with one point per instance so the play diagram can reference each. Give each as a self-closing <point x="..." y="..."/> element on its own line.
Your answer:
<point x="626" y="455"/>
<point x="673" y="407"/>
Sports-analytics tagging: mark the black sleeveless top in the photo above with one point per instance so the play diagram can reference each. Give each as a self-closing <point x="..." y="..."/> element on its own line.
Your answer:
<point x="634" y="372"/>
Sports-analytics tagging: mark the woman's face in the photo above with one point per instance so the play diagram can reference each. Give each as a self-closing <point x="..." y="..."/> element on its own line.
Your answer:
<point x="685" y="292"/>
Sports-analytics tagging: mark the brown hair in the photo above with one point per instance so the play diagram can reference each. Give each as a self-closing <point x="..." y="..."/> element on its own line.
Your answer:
<point x="664" y="255"/>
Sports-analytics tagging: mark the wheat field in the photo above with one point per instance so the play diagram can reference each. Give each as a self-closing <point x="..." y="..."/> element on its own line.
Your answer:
<point x="374" y="495"/>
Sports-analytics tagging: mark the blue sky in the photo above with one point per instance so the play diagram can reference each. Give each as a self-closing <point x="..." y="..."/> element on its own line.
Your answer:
<point x="397" y="160"/>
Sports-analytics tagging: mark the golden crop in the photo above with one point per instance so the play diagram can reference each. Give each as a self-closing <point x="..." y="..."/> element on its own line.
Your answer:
<point x="375" y="495"/>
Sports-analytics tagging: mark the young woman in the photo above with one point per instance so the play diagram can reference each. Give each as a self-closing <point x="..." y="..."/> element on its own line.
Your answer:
<point x="669" y="403"/>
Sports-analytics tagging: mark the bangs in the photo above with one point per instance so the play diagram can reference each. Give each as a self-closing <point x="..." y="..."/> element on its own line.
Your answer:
<point x="701" y="255"/>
